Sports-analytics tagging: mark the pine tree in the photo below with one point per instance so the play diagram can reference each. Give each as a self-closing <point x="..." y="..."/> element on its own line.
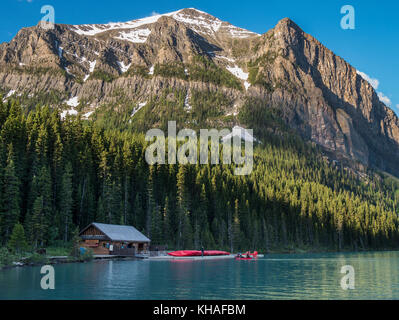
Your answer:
<point x="183" y="223"/>
<point x="168" y="223"/>
<point x="41" y="212"/>
<point x="10" y="207"/>
<point x="128" y="164"/>
<point x="156" y="227"/>
<point x="236" y="227"/>
<point x="66" y="201"/>
<point x="230" y="232"/>
<point x="17" y="241"/>
<point x="187" y="232"/>
<point x="75" y="243"/>
<point x="38" y="225"/>
<point x="150" y="202"/>
<point x="206" y="238"/>
<point x="115" y="203"/>
<point x="137" y="212"/>
<point x="100" y="216"/>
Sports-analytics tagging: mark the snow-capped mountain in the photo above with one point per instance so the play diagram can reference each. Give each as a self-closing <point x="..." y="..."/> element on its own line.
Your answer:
<point x="187" y="54"/>
<point x="137" y="31"/>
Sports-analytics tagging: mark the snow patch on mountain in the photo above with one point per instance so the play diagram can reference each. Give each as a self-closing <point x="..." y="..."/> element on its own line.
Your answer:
<point x="92" y="65"/>
<point x="236" y="32"/>
<point x="59" y="49"/>
<point x="137" y="109"/>
<point x="83" y="60"/>
<point x="71" y="112"/>
<point x="224" y="58"/>
<point x="10" y="93"/>
<point x="240" y="74"/>
<point x="135" y="36"/>
<point x="88" y="114"/>
<point x="73" y="102"/>
<point x="200" y="24"/>
<point x="123" y="67"/>
<point x="187" y="105"/>
<point x="235" y="113"/>
<point x="68" y="71"/>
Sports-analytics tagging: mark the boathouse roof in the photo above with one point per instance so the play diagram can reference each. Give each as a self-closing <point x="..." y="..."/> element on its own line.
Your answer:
<point x="119" y="233"/>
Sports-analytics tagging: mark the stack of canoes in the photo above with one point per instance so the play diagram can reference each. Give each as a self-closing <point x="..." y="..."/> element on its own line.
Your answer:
<point x="196" y="253"/>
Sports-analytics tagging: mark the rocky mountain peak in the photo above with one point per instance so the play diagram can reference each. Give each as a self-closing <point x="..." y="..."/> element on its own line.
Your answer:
<point x="288" y="23"/>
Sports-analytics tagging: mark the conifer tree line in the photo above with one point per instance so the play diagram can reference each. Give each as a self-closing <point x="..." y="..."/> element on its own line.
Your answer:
<point x="58" y="175"/>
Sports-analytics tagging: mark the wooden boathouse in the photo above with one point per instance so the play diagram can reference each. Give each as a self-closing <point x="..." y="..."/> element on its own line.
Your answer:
<point x="113" y="239"/>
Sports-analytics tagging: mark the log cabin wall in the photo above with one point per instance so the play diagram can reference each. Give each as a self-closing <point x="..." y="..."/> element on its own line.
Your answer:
<point x="98" y="247"/>
<point x="92" y="231"/>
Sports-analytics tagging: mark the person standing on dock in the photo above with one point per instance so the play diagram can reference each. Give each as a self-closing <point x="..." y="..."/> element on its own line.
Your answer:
<point x="202" y="251"/>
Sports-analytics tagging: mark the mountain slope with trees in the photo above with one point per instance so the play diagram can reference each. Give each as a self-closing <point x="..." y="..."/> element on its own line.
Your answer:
<point x="58" y="175"/>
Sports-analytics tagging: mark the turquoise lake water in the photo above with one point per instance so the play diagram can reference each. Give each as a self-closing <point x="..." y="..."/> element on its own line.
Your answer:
<point x="277" y="276"/>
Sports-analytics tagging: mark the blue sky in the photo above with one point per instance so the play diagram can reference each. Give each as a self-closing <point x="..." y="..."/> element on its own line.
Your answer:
<point x="372" y="47"/>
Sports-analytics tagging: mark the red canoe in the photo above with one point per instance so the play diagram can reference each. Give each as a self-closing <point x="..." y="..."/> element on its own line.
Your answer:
<point x="216" y="253"/>
<point x="194" y="253"/>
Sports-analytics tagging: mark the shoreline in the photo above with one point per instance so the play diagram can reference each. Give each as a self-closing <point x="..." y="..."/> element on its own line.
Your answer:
<point x="55" y="260"/>
<point x="63" y="260"/>
<point x="324" y="250"/>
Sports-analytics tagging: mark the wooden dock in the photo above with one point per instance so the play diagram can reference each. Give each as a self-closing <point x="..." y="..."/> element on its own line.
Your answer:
<point x="95" y="257"/>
